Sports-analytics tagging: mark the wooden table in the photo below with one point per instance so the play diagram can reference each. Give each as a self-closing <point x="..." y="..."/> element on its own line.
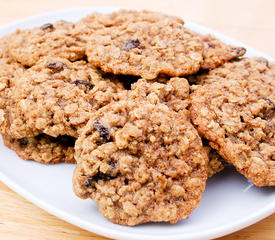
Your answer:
<point x="251" y="21"/>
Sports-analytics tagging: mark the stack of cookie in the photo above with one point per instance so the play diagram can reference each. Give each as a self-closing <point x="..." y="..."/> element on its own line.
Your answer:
<point x="146" y="108"/>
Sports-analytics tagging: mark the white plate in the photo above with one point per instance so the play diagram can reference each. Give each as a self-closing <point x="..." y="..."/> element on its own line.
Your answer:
<point x="229" y="203"/>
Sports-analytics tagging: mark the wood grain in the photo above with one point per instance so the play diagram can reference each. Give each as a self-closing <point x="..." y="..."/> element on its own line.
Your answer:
<point x="250" y="21"/>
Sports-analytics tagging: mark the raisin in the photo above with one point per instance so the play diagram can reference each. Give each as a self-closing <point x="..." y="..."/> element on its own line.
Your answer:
<point x="268" y="112"/>
<point x="98" y="176"/>
<point x="79" y="82"/>
<point x="270" y="102"/>
<point x="56" y="66"/>
<point x="47" y="26"/>
<point x="103" y="176"/>
<point x="239" y="50"/>
<point x="89" y="182"/>
<point x="130" y="44"/>
<point x="23" y="141"/>
<point x="103" y="131"/>
<point x="112" y="163"/>
<point x="211" y="45"/>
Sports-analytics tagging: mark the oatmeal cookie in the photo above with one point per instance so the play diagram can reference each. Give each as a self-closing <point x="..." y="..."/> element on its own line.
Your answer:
<point x="140" y="159"/>
<point x="234" y="109"/>
<point x="28" y="46"/>
<point x="149" y="44"/>
<point x="134" y="43"/>
<point x="43" y="148"/>
<point x="56" y="97"/>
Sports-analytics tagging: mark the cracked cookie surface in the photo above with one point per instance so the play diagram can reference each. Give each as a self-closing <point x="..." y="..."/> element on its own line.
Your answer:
<point x="234" y="108"/>
<point x="140" y="159"/>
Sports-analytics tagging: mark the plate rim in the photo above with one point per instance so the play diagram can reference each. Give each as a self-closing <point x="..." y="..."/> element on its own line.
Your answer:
<point x="120" y="234"/>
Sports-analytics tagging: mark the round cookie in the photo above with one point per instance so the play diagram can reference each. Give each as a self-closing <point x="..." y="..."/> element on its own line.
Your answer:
<point x="28" y="46"/>
<point x="234" y="109"/>
<point x="145" y="44"/>
<point x="149" y="44"/>
<point x="140" y="159"/>
<point x="56" y="97"/>
<point x="43" y="148"/>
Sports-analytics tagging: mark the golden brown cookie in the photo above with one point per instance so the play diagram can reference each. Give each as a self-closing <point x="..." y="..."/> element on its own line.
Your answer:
<point x="28" y="46"/>
<point x="140" y="159"/>
<point x="145" y="44"/>
<point x="56" y="97"/>
<point x="149" y="44"/>
<point x="234" y="109"/>
<point x="43" y="148"/>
